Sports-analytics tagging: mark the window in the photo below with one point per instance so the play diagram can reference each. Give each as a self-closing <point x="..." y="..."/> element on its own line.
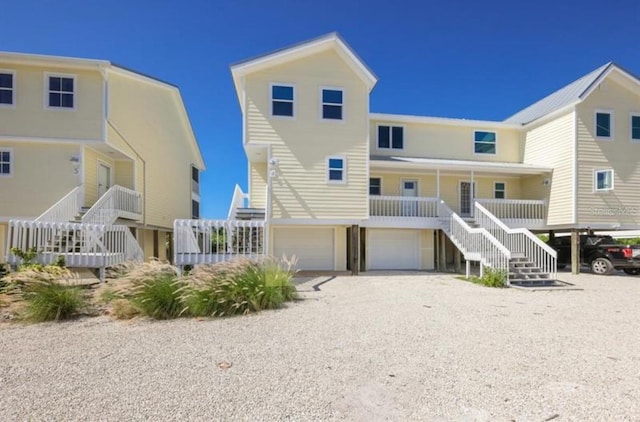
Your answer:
<point x="195" y="174"/>
<point x="335" y="170"/>
<point x="390" y="137"/>
<point x="332" y="104"/>
<point x="6" y="166"/>
<point x="6" y="88"/>
<point x="635" y="128"/>
<point x="604" y="126"/>
<point x="61" y="91"/>
<point x="282" y="100"/>
<point x="375" y="186"/>
<point x="484" y="142"/>
<point x="603" y="180"/>
<point x="195" y="209"/>
<point x="499" y="190"/>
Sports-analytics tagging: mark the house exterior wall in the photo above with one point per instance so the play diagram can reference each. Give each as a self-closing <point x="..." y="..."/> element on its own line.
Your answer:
<point x="92" y="159"/>
<point x="3" y="243"/>
<point x="302" y="144"/>
<point x="125" y="173"/>
<point x="620" y="206"/>
<point x="427" y="250"/>
<point x="258" y="183"/>
<point x="552" y="144"/>
<point x="31" y="118"/>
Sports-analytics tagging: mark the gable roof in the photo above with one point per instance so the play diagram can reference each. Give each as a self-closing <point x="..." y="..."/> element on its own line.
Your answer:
<point x="329" y="41"/>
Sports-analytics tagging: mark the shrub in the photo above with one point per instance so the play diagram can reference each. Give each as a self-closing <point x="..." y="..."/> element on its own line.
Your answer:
<point x="51" y="301"/>
<point x="544" y="237"/>
<point x="4" y="271"/>
<point x="628" y="241"/>
<point x="491" y="278"/>
<point x="159" y="297"/>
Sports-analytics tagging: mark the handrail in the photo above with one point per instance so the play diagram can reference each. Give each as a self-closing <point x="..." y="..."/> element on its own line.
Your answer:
<point x="117" y="202"/>
<point x="65" y="209"/>
<point x="237" y="201"/>
<point x="524" y="210"/>
<point x="403" y="206"/>
<point x="519" y="240"/>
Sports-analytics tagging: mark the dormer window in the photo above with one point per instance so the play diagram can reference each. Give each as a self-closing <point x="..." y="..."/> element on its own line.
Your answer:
<point x="282" y="100"/>
<point x="332" y="102"/>
<point x="484" y="142"/>
<point x="390" y="137"/>
<point x="61" y="91"/>
<point x="6" y="88"/>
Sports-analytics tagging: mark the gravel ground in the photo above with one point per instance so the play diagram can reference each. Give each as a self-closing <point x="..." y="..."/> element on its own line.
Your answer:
<point x="409" y="346"/>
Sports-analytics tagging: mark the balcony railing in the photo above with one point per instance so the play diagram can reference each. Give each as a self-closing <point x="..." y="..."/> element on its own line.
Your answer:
<point x="403" y="206"/>
<point x="528" y="213"/>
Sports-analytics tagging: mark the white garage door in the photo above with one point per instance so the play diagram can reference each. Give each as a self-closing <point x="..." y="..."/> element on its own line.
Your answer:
<point x="393" y="249"/>
<point x="313" y="247"/>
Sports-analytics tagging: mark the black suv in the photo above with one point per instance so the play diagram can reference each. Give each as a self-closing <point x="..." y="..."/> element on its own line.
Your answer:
<point x="601" y="253"/>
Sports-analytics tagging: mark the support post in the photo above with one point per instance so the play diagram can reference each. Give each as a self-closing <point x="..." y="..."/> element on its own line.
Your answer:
<point x="443" y="253"/>
<point x="575" y="251"/>
<point x="355" y="249"/>
<point x="468" y="268"/>
<point x="457" y="258"/>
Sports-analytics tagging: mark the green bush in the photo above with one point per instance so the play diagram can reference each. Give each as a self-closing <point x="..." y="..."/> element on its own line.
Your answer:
<point x="544" y="237"/>
<point x="159" y="298"/>
<point x="491" y="278"/>
<point x="51" y="301"/>
<point x="4" y="271"/>
<point x="629" y="241"/>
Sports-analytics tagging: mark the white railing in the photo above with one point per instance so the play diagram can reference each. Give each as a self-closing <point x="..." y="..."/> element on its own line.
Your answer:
<point x="517" y="212"/>
<point x="81" y="245"/>
<point x="238" y="201"/>
<point x="211" y="241"/>
<point x="519" y="241"/>
<point x="403" y="206"/>
<point x="66" y="209"/>
<point x="117" y="202"/>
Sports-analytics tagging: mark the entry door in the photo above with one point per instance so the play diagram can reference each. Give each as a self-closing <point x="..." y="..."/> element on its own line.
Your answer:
<point x="410" y="190"/>
<point x="104" y="179"/>
<point x="467" y="194"/>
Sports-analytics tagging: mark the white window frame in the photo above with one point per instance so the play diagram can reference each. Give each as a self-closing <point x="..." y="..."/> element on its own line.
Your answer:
<point x="473" y="143"/>
<point x="344" y="170"/>
<point x="375" y="177"/>
<point x="631" y="116"/>
<point x="13" y="88"/>
<point x="48" y="75"/>
<point x="595" y="180"/>
<point x="390" y="126"/>
<point x="322" y="103"/>
<point x="271" y="100"/>
<point x="11" y="162"/>
<point x="504" y="190"/>
<point x="612" y="121"/>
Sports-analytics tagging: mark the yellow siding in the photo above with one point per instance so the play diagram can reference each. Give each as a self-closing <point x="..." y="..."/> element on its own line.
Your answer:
<point x="3" y="243"/>
<point x="42" y="175"/>
<point x="622" y="205"/>
<point x="427" y="250"/>
<point x="30" y="117"/>
<point x="145" y="240"/>
<point x="258" y="191"/>
<point x="340" y="241"/>
<point x="148" y="117"/>
<point x="553" y="145"/>
<point x="302" y="145"/>
<point x="447" y="142"/>
<point x="124" y="174"/>
<point x="91" y="160"/>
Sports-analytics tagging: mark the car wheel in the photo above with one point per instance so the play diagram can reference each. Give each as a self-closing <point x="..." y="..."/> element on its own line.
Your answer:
<point x="631" y="271"/>
<point x="601" y="266"/>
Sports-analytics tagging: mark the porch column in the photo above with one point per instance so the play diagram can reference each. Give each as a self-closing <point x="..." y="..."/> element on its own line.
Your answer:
<point x="355" y="249"/>
<point x="443" y="254"/>
<point x="575" y="251"/>
<point x="457" y="260"/>
<point x="472" y="195"/>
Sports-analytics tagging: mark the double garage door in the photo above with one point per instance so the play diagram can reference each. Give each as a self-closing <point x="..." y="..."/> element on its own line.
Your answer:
<point x="314" y="247"/>
<point x="391" y="249"/>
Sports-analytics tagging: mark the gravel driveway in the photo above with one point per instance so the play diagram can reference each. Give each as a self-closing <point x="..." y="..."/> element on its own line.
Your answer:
<point x="413" y="346"/>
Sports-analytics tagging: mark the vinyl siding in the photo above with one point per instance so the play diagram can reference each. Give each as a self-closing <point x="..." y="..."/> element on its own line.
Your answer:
<point x="42" y="175"/>
<point x="427" y="250"/>
<point x="125" y="174"/>
<point x="301" y="145"/>
<point x="553" y="145"/>
<point x="622" y="205"/>
<point x="3" y="243"/>
<point x="31" y="118"/>
<point x="258" y="191"/>
<point x="91" y="160"/>
<point x="447" y="142"/>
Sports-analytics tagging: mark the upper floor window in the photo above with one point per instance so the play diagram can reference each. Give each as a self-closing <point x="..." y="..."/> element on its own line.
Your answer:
<point x="195" y="209"/>
<point x="375" y="186"/>
<point x="6" y="163"/>
<point x="499" y="190"/>
<point x="6" y="87"/>
<point x="604" y="124"/>
<point x="390" y="137"/>
<point x="603" y="180"/>
<point x="332" y="103"/>
<point x="61" y="91"/>
<point x="336" y="170"/>
<point x="635" y="127"/>
<point x="484" y="142"/>
<point x="282" y="100"/>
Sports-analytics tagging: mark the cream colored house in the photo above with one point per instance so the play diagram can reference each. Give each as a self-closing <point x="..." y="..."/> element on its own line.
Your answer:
<point x="344" y="188"/>
<point x="92" y="143"/>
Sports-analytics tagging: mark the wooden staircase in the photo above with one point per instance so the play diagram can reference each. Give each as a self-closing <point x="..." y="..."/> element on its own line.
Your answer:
<point x="524" y="272"/>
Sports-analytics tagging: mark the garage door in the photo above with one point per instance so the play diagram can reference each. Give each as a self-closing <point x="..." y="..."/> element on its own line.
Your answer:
<point x="393" y="249"/>
<point x="313" y="247"/>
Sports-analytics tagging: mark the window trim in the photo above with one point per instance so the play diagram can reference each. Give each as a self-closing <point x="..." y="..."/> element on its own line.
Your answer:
<point x="13" y="88"/>
<point x="48" y="75"/>
<point x="321" y="102"/>
<point x="380" y="179"/>
<point x="293" y="102"/>
<point x="631" y="116"/>
<point x="11" y="162"/>
<point x="390" y="126"/>
<point x="504" y="190"/>
<point x="612" y="124"/>
<point x="473" y="143"/>
<point x="343" y="181"/>
<point x="595" y="180"/>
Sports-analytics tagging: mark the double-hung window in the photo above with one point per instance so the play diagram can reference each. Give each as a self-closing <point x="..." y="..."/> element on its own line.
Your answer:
<point x="6" y="162"/>
<point x="604" y="124"/>
<point x="499" y="190"/>
<point x="484" y="142"/>
<point x="336" y="167"/>
<point x="7" y="81"/>
<point x="61" y="91"/>
<point x="375" y="186"/>
<point x="332" y="103"/>
<point x="603" y="180"/>
<point x="282" y="100"/>
<point x="390" y="137"/>
<point x="635" y="127"/>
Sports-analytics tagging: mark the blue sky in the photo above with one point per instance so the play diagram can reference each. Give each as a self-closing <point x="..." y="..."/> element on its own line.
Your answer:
<point x="469" y="59"/>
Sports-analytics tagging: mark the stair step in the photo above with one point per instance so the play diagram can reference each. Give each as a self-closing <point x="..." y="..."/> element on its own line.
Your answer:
<point x="534" y="282"/>
<point x="535" y="276"/>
